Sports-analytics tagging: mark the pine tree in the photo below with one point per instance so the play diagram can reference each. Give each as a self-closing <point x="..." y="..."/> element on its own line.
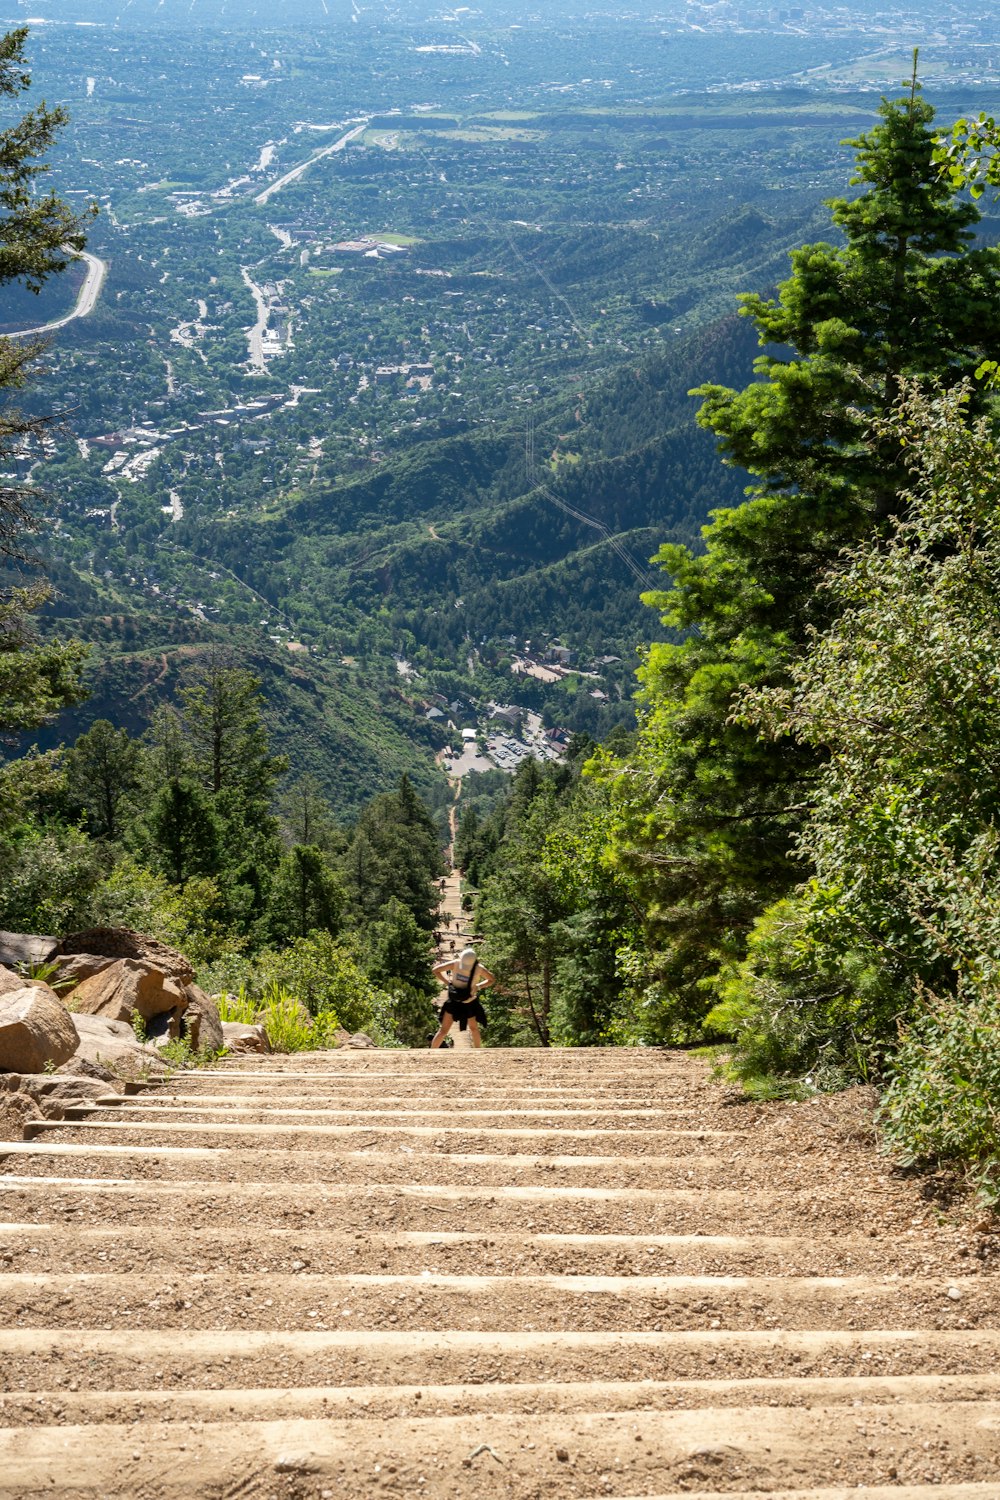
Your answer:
<point x="36" y="231"/>
<point x="104" y="772"/>
<point x="183" y="831"/>
<point x="708" y="813"/>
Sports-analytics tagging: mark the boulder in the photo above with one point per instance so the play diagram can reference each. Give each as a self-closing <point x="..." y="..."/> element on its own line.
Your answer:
<point x="35" y="1030"/>
<point x="66" y="1091"/>
<point x="26" y="948"/>
<point x="9" y="981"/>
<point x="239" y="1036"/>
<point x="55" y="1093"/>
<point x="80" y="966"/>
<point x="202" y="1021"/>
<point x="80" y="1067"/>
<point x="122" y="942"/>
<point x="361" y="1042"/>
<point x="126" y="987"/>
<point x="16" y="1108"/>
<point x="114" y="1046"/>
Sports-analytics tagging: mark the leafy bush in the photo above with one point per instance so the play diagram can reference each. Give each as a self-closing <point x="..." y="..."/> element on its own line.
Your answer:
<point x="47" y="875"/>
<point x="323" y="974"/>
<point x="943" y="1102"/>
<point x="795" y="1013"/>
<point x="901" y="694"/>
<point x="281" y="1014"/>
<point x="190" y="917"/>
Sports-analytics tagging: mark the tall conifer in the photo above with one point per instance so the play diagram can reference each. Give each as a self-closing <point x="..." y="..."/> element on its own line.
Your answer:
<point x="707" y="811"/>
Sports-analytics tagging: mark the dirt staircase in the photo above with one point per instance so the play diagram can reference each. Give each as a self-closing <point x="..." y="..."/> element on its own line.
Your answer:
<point x="483" y="1274"/>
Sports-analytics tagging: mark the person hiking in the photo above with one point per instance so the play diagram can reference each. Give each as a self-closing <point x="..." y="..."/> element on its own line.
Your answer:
<point x="465" y="977"/>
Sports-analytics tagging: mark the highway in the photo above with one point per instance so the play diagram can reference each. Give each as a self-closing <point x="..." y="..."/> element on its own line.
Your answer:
<point x="86" y="301"/>
<point x="338" y="145"/>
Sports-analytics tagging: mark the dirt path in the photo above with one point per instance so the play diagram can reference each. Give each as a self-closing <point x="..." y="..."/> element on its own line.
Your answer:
<point x="455" y="930"/>
<point x="484" y="1274"/>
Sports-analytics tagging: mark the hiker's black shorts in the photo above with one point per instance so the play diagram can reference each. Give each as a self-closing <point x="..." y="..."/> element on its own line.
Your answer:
<point x="462" y="1010"/>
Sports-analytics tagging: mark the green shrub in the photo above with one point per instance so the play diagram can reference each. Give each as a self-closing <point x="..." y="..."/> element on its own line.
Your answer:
<point x="322" y="974"/>
<point x="190" y="917"/>
<point x="797" y="1015"/>
<point x="943" y="1101"/>
<point x="288" y="1027"/>
<point x="47" y="875"/>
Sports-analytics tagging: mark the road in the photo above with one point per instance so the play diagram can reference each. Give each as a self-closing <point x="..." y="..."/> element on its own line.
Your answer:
<point x="255" y="335"/>
<point x="93" y="283"/>
<point x="297" y="172"/>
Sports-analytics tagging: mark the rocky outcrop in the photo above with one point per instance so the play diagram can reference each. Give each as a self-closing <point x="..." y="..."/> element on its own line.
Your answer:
<point x="114" y="1046"/>
<point x="122" y="942"/>
<point x="26" y="948"/>
<point x="202" y="1023"/>
<point x="81" y="1067"/>
<point x="35" y="1030"/>
<point x="240" y="1036"/>
<point x="126" y="988"/>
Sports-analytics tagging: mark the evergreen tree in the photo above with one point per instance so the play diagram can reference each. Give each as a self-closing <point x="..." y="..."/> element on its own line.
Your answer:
<point x="307" y="816"/>
<point x="183" y="831"/>
<point x="104" y="772"/>
<point x="306" y="895"/>
<point x="37" y="230"/>
<point x="394" y="852"/>
<point x="223" y="718"/>
<point x="398" y="951"/>
<point x="170" y="754"/>
<point x="708" y="811"/>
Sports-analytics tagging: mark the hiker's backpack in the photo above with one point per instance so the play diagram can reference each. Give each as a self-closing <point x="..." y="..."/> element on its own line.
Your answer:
<point x="460" y="987"/>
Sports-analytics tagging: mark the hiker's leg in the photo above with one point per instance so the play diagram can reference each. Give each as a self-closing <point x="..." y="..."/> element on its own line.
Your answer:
<point x="477" y="1040"/>
<point x="442" y="1030"/>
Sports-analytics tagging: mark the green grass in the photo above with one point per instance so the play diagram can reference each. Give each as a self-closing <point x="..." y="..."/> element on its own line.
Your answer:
<point x="289" y="1028"/>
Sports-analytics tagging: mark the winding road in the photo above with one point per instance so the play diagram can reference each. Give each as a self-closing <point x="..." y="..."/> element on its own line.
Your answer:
<point x="86" y="301"/>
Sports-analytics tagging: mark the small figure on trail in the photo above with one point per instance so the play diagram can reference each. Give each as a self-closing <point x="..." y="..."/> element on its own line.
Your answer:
<point x="465" y="977"/>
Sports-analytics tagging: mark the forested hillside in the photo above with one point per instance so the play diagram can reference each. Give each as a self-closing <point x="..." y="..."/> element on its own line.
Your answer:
<point x="783" y="845"/>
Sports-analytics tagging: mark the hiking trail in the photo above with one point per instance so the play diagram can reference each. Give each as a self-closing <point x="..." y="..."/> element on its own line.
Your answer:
<point x="484" y="1274"/>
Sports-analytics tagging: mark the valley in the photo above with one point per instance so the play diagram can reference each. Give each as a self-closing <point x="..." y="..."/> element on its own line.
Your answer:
<point x="392" y="354"/>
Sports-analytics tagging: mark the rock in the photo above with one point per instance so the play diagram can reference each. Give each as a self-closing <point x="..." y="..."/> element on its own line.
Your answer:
<point x="341" y="1038"/>
<point x="26" y="948"/>
<point x="62" y="1088"/>
<point x="204" y="1026"/>
<point x="122" y="942"/>
<point x="35" y="1029"/>
<point x="242" y="1037"/>
<point x="362" y="1042"/>
<point x="10" y="981"/>
<point x="81" y="1067"/>
<point x="16" y="1108"/>
<point x="80" y="966"/>
<point x="114" y="1046"/>
<point x="126" y="987"/>
<point x="56" y="1093"/>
